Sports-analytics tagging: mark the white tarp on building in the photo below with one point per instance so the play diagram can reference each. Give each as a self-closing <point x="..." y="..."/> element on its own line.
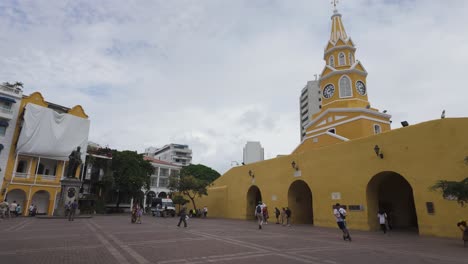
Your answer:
<point x="48" y="134"/>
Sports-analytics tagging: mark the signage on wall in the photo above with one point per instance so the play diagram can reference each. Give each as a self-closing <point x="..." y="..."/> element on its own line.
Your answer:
<point x="274" y="198"/>
<point x="336" y="196"/>
<point x="297" y="173"/>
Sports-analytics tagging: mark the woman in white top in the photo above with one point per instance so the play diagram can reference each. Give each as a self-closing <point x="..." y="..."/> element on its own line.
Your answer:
<point x="382" y="216"/>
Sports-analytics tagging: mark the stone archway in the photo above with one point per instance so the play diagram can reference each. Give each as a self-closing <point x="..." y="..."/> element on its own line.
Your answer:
<point x="41" y="200"/>
<point x="19" y="196"/>
<point x="391" y="192"/>
<point x="300" y="203"/>
<point x="149" y="198"/>
<point x="253" y="197"/>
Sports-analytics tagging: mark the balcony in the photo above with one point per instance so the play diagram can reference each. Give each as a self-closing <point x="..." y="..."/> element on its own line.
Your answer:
<point x="21" y="175"/>
<point x="6" y="113"/>
<point x="46" y="177"/>
<point x="14" y="91"/>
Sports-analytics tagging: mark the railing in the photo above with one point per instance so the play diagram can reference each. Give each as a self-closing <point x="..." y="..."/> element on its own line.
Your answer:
<point x="23" y="175"/>
<point x="10" y="89"/>
<point x="6" y="110"/>
<point x="46" y="177"/>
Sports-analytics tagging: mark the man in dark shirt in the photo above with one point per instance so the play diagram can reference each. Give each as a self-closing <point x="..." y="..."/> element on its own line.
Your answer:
<point x="288" y="216"/>
<point x="183" y="215"/>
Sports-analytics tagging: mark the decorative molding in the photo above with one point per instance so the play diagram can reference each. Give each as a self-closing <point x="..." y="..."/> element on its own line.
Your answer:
<point x="347" y="110"/>
<point x="347" y="121"/>
<point x="322" y="123"/>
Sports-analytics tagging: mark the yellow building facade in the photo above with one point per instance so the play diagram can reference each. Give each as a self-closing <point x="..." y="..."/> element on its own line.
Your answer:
<point x="351" y="156"/>
<point x="33" y="179"/>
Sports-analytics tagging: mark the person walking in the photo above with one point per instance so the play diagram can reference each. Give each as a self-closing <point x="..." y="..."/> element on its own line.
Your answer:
<point x="283" y="216"/>
<point x="382" y="216"/>
<point x="67" y="209"/>
<point x="73" y="207"/>
<point x="183" y="215"/>
<point x="277" y="214"/>
<point x="31" y="208"/>
<point x="265" y="214"/>
<point x="18" y="210"/>
<point x="340" y="215"/>
<point x="259" y="214"/>
<point x="205" y="211"/>
<point x="139" y="214"/>
<point x="288" y="216"/>
<point x="12" y="208"/>
<point x="4" y="209"/>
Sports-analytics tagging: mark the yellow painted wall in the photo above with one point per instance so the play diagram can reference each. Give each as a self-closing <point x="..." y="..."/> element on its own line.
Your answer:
<point x="422" y="154"/>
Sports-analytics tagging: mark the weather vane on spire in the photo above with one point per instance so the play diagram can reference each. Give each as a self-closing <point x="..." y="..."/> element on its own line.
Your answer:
<point x="334" y="2"/>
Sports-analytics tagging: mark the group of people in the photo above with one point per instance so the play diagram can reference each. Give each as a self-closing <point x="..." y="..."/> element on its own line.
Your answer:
<point x="262" y="215"/>
<point x="137" y="212"/>
<point x="199" y="212"/>
<point x="8" y="209"/>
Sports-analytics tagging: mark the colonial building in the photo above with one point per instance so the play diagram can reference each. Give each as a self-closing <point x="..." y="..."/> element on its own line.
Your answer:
<point x="160" y="179"/>
<point x="351" y="156"/>
<point x="43" y="138"/>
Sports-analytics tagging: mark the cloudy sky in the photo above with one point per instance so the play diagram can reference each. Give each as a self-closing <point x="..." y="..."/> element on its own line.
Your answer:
<point x="214" y="74"/>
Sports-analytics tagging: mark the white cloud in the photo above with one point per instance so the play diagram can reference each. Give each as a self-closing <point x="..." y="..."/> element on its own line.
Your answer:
<point x="214" y="74"/>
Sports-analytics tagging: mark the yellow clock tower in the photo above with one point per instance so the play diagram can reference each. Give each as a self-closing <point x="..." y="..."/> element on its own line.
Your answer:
<point x="345" y="111"/>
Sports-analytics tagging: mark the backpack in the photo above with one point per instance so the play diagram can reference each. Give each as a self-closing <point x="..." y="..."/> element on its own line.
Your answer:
<point x="259" y="209"/>
<point x="341" y="215"/>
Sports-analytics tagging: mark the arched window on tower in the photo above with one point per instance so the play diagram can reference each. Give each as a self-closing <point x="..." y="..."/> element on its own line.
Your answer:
<point x="345" y="87"/>
<point x="351" y="58"/>
<point x="331" y="61"/>
<point x="341" y="59"/>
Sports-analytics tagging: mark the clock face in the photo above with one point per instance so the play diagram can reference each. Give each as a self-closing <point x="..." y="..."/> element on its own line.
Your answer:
<point x="328" y="91"/>
<point x="361" y="88"/>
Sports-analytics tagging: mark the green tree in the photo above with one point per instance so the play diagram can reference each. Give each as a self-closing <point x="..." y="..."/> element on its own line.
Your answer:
<point x="200" y="172"/>
<point x="131" y="173"/>
<point x="188" y="186"/>
<point x="179" y="200"/>
<point x="453" y="190"/>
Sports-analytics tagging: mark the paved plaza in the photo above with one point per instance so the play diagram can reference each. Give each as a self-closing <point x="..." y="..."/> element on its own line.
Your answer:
<point x="113" y="239"/>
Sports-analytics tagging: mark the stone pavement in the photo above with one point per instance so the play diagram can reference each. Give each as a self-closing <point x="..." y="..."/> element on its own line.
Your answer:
<point x="113" y="239"/>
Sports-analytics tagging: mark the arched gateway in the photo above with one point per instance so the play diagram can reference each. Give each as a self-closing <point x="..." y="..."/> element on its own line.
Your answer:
<point x="253" y="197"/>
<point x="300" y="203"/>
<point x="392" y="193"/>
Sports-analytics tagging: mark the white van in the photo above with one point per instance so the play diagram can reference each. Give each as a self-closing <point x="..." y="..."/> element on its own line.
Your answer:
<point x="162" y="207"/>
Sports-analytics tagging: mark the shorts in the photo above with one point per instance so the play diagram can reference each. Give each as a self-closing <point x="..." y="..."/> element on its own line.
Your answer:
<point x="341" y="225"/>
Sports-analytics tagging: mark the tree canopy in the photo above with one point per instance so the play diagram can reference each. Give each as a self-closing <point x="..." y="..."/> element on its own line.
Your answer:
<point x="200" y="172"/>
<point x="453" y="190"/>
<point x="131" y="172"/>
<point x="193" y="181"/>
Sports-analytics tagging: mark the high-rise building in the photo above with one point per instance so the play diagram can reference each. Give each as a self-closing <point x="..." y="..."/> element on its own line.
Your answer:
<point x="177" y="154"/>
<point x="309" y="104"/>
<point x="253" y="152"/>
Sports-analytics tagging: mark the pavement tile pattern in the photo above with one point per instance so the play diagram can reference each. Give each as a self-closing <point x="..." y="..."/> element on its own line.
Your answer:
<point x="113" y="239"/>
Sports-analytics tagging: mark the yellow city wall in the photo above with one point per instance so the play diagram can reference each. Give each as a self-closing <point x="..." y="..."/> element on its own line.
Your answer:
<point x="422" y="154"/>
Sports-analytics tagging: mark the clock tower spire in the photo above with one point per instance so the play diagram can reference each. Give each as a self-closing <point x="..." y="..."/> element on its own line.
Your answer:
<point x="345" y="113"/>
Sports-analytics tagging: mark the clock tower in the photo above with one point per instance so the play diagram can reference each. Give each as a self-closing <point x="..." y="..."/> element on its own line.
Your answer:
<point x="346" y="112"/>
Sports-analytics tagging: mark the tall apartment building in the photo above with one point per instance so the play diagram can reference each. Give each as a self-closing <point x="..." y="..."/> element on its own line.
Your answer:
<point x="10" y="100"/>
<point x="310" y="103"/>
<point x="253" y="152"/>
<point x="177" y="154"/>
